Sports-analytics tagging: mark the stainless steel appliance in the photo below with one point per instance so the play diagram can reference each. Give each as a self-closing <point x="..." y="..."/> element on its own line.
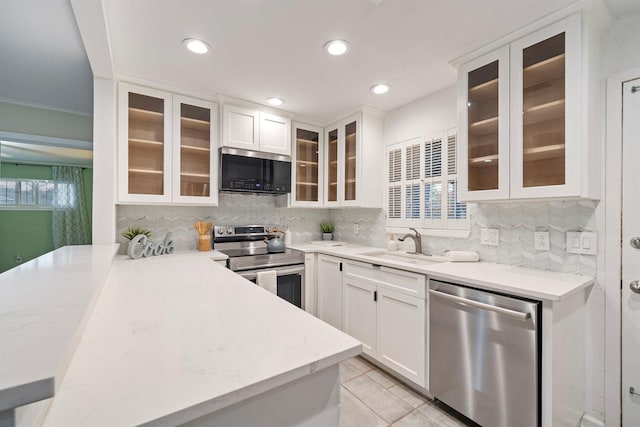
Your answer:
<point x="484" y="355"/>
<point x="247" y="252"/>
<point x="254" y="172"/>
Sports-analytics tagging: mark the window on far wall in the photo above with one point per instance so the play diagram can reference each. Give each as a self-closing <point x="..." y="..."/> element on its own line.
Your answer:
<point x="422" y="184"/>
<point x="33" y="194"/>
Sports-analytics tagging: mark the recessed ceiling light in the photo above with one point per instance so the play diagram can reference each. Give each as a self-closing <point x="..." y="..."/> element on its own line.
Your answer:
<point x="196" y="46"/>
<point x="337" y="47"/>
<point x="381" y="88"/>
<point x="275" y="101"/>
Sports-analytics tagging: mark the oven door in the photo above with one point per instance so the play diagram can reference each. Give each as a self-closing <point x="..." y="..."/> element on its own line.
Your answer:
<point x="290" y="282"/>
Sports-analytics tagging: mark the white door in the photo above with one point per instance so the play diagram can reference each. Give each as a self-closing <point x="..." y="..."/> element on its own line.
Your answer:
<point x="359" y="313"/>
<point x="330" y="290"/>
<point x="631" y="256"/>
<point x="402" y="334"/>
<point x="240" y="127"/>
<point x="275" y="134"/>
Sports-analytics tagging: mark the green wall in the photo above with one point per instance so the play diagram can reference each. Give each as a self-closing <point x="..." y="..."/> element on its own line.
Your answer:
<point x="29" y="233"/>
<point x="39" y="121"/>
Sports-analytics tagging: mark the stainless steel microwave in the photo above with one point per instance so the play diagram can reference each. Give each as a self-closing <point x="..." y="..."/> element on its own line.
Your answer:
<point x="254" y="172"/>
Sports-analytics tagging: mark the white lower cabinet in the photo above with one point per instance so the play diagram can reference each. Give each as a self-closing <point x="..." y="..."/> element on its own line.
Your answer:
<point x="329" y="290"/>
<point x="402" y="334"/>
<point x="385" y="309"/>
<point x="360" y="315"/>
<point x="310" y="283"/>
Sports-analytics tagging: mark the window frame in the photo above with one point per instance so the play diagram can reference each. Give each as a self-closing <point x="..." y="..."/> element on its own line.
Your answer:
<point x="37" y="205"/>
<point x="442" y="226"/>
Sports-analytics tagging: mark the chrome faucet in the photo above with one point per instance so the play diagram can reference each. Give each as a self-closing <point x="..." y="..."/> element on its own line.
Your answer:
<point x="417" y="240"/>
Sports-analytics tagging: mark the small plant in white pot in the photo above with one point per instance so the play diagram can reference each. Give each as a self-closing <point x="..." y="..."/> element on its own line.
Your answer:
<point x="327" y="230"/>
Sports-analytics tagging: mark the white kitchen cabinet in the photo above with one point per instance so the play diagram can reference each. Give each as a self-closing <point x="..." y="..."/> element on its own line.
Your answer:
<point x="353" y="161"/>
<point x="307" y="172"/>
<point x="310" y="291"/>
<point x="402" y="334"/>
<point x="255" y="130"/>
<point x="167" y="148"/>
<point x="359" y="317"/>
<point x="385" y="309"/>
<point x="528" y="116"/>
<point x="330" y="290"/>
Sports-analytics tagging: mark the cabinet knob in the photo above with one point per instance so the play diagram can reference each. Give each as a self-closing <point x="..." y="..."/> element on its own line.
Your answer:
<point x="635" y="286"/>
<point x="635" y="242"/>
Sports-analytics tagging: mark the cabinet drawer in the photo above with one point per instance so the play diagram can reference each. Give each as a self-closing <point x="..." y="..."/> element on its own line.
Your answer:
<point x="391" y="278"/>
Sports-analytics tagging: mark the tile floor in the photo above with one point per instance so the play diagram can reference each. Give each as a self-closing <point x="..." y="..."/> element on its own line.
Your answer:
<point x="372" y="398"/>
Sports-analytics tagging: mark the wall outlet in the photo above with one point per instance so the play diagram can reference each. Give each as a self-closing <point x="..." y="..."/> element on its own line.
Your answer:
<point x="490" y="236"/>
<point x="541" y="240"/>
<point x="584" y="243"/>
<point x="356" y="229"/>
<point x="18" y="259"/>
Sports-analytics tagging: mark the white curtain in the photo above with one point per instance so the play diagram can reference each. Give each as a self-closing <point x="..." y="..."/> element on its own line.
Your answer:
<point x="70" y="219"/>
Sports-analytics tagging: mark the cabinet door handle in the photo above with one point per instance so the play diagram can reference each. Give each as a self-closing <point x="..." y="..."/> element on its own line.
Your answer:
<point x="340" y="266"/>
<point x="376" y="265"/>
<point x="375" y="296"/>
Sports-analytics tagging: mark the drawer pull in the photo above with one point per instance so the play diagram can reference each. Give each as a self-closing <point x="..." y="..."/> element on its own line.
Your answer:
<point x="376" y="265"/>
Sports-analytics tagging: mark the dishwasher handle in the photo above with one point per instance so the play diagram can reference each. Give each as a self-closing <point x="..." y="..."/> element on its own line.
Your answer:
<point x="464" y="301"/>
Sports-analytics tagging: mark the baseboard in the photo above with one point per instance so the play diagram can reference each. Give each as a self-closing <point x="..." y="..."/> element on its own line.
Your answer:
<point x="589" y="421"/>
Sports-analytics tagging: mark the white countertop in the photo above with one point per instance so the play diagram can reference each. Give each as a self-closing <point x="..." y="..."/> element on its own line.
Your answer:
<point x="526" y="282"/>
<point x="44" y="303"/>
<point x="178" y="336"/>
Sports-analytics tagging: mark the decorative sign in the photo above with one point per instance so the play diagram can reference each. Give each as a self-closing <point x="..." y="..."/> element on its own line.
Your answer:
<point x="141" y="246"/>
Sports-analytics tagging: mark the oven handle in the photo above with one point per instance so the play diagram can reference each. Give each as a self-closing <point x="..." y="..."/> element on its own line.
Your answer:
<point x="249" y="275"/>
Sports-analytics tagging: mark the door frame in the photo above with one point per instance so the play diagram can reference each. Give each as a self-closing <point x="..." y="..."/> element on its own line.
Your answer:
<point x="610" y="250"/>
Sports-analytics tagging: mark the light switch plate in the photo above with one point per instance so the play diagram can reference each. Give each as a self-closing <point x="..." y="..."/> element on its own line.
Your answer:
<point x="490" y="236"/>
<point x="585" y="243"/>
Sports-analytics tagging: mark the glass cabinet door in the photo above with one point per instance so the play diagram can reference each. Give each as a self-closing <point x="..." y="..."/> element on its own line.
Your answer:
<point x="307" y="165"/>
<point x="146" y="144"/>
<point x="543" y="113"/>
<point x="195" y="151"/>
<point x="350" y="157"/>
<point x="332" y="165"/>
<point x="482" y="127"/>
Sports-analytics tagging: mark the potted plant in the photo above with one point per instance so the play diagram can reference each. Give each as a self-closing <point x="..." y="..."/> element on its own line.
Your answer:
<point x="327" y="230"/>
<point x="131" y="232"/>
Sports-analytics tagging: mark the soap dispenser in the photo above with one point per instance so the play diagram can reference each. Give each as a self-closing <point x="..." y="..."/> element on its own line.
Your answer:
<point x="392" y="244"/>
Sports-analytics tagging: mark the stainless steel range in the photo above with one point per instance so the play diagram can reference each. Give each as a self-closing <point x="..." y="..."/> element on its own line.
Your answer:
<point x="247" y="252"/>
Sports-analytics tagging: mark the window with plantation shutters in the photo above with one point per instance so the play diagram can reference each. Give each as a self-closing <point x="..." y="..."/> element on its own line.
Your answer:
<point x="422" y="184"/>
<point x="394" y="199"/>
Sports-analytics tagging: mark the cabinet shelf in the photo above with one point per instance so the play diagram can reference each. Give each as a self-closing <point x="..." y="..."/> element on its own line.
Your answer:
<point x="485" y="88"/>
<point x="483" y="161"/>
<point x="304" y="163"/>
<point x="544" y="71"/>
<point x="147" y="115"/>
<point x="308" y="184"/>
<point x="542" y="113"/>
<point x="195" y="124"/>
<point x="146" y="171"/>
<point x="194" y="175"/>
<point x="147" y="142"/>
<point x="306" y="141"/>
<point x="484" y="127"/>
<point x="545" y="152"/>
<point x="195" y="148"/>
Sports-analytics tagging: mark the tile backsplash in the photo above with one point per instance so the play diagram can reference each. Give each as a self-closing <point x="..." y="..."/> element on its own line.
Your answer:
<point x="516" y="222"/>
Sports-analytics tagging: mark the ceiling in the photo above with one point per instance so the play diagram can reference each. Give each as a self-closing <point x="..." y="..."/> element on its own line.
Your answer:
<point x="261" y="48"/>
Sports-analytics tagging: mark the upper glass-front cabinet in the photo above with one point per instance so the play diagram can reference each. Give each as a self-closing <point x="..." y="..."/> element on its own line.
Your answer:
<point x="307" y="173"/>
<point x="522" y="117"/>
<point x="194" y="151"/>
<point x="343" y="141"/>
<point x="157" y="165"/>
<point x="484" y="91"/>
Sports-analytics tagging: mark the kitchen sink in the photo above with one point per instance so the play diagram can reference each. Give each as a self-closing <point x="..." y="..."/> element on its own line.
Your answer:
<point x="417" y="259"/>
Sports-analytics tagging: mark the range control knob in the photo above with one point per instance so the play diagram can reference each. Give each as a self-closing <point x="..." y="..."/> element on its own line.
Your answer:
<point x="219" y="230"/>
<point x="229" y="230"/>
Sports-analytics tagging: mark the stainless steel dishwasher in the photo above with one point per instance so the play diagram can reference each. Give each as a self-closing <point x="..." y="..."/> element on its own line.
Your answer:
<point x="484" y="355"/>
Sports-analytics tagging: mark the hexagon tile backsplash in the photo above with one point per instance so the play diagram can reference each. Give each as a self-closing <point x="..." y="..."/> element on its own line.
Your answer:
<point x="516" y="222"/>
